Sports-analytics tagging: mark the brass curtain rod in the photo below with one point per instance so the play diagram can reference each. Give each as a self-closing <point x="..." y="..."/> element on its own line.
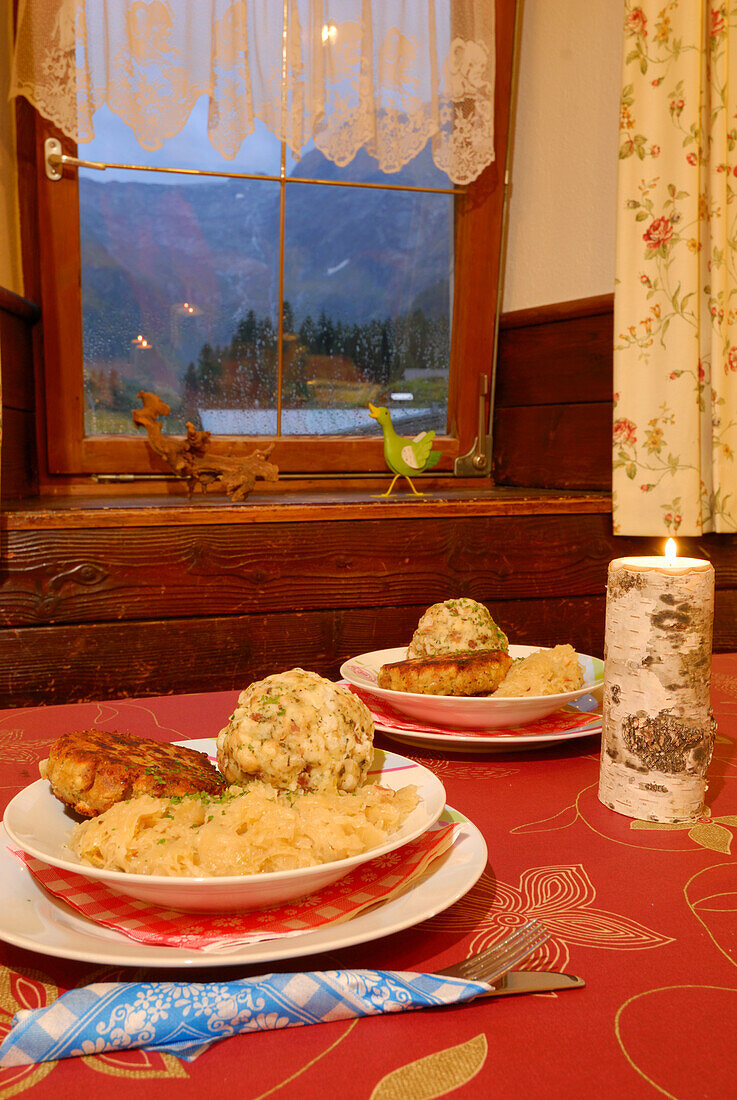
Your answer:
<point x="56" y="161"/>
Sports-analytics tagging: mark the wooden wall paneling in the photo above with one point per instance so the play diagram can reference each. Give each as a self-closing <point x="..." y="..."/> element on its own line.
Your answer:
<point x="233" y="603"/>
<point x="18" y="471"/>
<point x="112" y="660"/>
<point x="561" y="361"/>
<point x="65" y="576"/>
<point x="554" y="446"/>
<point x="17" y="360"/>
<point x="18" y="462"/>
<point x="553" y="400"/>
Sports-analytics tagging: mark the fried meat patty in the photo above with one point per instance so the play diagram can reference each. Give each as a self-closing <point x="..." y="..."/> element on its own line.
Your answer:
<point x="478" y="673"/>
<point x="92" y="769"/>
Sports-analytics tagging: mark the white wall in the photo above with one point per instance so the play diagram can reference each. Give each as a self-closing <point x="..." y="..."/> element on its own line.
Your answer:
<point x="560" y="242"/>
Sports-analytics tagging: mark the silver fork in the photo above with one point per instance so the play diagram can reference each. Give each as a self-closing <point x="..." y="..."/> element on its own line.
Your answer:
<point x="495" y="961"/>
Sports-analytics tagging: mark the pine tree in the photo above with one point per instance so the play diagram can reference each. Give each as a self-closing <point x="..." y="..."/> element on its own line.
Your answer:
<point x="325" y="334"/>
<point x="287" y="317"/>
<point x="208" y="371"/>
<point x="308" y="334"/>
<point x="245" y="333"/>
<point x="191" y="380"/>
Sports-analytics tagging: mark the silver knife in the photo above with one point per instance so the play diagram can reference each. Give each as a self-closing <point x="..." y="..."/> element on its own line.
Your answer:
<point x="533" y="981"/>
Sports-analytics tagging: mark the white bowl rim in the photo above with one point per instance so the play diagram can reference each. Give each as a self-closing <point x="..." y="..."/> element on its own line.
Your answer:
<point x="471" y="700"/>
<point x="222" y="882"/>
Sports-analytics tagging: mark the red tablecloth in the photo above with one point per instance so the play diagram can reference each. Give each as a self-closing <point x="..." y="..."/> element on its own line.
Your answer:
<point x="647" y="915"/>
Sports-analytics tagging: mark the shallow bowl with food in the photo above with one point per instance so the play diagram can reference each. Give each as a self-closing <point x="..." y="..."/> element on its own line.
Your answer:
<point x="478" y="712"/>
<point x="40" y="825"/>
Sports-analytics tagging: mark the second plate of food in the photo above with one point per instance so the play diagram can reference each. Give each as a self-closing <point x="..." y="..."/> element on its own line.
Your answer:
<point x="478" y="712"/>
<point x="40" y="825"/>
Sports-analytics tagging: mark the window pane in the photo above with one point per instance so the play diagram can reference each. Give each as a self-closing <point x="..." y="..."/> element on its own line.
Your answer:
<point x="174" y="270"/>
<point x="367" y="285"/>
<point x="180" y="290"/>
<point x="178" y="296"/>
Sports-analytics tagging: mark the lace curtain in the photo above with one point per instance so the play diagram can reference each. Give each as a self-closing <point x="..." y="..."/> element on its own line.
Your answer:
<point x="387" y="76"/>
<point x="675" y="359"/>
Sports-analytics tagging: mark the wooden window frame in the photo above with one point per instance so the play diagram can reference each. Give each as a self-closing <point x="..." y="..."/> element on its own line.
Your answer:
<point x="52" y="272"/>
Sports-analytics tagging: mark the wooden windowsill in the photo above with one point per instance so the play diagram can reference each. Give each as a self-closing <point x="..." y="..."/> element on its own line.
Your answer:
<point x="285" y="507"/>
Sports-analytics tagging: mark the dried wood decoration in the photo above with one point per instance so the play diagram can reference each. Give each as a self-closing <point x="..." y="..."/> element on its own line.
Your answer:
<point x="190" y="460"/>
<point x="659" y="730"/>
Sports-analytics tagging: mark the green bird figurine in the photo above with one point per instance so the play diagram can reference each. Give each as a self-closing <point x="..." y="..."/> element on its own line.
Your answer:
<point x="404" y="456"/>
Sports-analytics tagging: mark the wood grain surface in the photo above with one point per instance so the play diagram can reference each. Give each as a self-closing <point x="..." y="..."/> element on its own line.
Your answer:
<point x="185" y="572"/>
<point x="139" y="611"/>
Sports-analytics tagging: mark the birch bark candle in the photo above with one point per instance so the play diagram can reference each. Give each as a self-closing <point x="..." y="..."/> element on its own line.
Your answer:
<point x="658" y="729"/>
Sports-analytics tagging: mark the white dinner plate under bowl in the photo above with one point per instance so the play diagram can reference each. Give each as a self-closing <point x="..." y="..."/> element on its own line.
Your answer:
<point x="41" y="825"/>
<point x="567" y="724"/>
<point x="478" y="712"/>
<point x="36" y="921"/>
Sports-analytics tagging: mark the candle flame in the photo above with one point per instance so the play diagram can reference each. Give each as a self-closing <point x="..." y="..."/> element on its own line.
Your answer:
<point x="670" y="551"/>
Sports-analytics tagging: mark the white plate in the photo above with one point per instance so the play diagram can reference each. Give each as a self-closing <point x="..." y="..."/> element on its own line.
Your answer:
<point x="482" y="712"/>
<point x="581" y="718"/>
<point x="449" y="741"/>
<point x="41" y="825"/>
<point x="32" y="919"/>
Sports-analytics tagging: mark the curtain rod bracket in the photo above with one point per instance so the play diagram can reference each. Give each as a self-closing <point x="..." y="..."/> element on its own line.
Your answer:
<point x="55" y="160"/>
<point x="52" y="158"/>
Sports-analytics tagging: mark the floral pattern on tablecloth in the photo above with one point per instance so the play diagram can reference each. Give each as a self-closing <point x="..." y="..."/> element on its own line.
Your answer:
<point x="711" y="831"/>
<point x="560" y="897"/>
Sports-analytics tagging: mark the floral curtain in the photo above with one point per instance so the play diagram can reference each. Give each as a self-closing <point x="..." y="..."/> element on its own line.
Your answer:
<point x="383" y="75"/>
<point x="675" y="356"/>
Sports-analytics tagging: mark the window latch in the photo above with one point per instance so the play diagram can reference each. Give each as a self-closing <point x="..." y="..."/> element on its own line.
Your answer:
<point x="477" y="462"/>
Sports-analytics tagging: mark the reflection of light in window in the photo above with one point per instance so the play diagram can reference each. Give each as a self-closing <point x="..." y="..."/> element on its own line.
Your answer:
<point x="403" y="397"/>
<point x="329" y="32"/>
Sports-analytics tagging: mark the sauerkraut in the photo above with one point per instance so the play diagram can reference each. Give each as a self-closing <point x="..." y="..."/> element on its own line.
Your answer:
<point x="243" y="831"/>
<point x="548" y="672"/>
<point x="456" y="626"/>
<point x="298" y="731"/>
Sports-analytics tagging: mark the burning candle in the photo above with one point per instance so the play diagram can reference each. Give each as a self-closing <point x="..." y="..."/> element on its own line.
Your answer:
<point x="658" y="730"/>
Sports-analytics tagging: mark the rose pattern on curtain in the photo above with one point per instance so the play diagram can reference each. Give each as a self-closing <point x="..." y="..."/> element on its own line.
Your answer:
<point x="675" y="315"/>
<point x="379" y="75"/>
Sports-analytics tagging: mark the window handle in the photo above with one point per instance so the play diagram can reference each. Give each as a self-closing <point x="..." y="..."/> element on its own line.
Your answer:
<point x="476" y="462"/>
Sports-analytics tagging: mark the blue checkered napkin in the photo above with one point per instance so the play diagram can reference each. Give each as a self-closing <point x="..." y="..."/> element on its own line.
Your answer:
<point x="185" y="1018"/>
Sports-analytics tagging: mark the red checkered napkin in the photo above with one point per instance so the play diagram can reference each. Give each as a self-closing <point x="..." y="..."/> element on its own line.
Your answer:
<point x="377" y="880"/>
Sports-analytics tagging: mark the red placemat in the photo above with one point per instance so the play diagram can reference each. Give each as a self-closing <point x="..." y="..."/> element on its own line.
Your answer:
<point x="563" y="720"/>
<point x="372" y="882"/>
